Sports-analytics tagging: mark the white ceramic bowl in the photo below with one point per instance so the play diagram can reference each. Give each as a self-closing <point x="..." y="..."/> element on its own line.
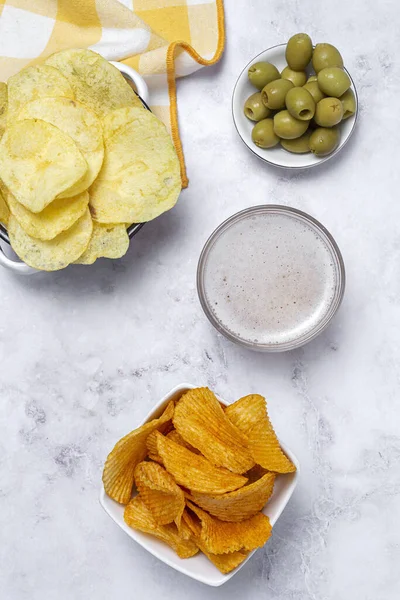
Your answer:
<point x="278" y="156"/>
<point x="199" y="567"/>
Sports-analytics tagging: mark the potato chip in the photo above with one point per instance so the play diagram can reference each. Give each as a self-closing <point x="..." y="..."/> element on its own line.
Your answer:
<point x="4" y="210"/>
<point x="265" y="448"/>
<point x="57" y="217"/>
<point x="162" y="496"/>
<point x="224" y="562"/>
<point x="54" y="254"/>
<point x="201" y="421"/>
<point x="107" y="241"/>
<point x="196" y="472"/>
<point x="139" y="517"/>
<point x="220" y="537"/>
<point x="3" y="107"/>
<point x="81" y="124"/>
<point x="38" y="162"/>
<point x="246" y="412"/>
<point x="178" y="439"/>
<point x="240" y="504"/>
<point x="118" y="473"/>
<point x="151" y="444"/>
<point x="95" y="82"/>
<point x="140" y="176"/>
<point x="40" y="81"/>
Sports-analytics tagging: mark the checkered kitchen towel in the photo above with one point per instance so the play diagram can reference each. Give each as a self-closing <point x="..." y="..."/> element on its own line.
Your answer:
<point x="161" y="39"/>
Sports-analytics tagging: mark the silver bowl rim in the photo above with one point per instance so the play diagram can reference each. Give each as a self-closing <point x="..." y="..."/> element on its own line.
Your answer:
<point x="336" y="301"/>
<point x="293" y="167"/>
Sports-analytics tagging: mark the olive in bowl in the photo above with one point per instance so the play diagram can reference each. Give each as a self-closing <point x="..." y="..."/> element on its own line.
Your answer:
<point x="262" y="73"/>
<point x="300" y="104"/>
<point x="287" y="127"/>
<point x="274" y="93"/>
<point x="255" y="109"/>
<point x="328" y="112"/>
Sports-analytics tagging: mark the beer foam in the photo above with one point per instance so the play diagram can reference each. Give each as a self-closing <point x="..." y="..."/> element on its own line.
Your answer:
<point x="270" y="278"/>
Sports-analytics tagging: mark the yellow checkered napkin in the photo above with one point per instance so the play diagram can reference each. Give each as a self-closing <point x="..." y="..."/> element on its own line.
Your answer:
<point x="161" y="39"/>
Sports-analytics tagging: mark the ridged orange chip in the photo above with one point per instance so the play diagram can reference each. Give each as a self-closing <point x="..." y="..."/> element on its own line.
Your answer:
<point x="265" y="448"/>
<point x="194" y="471"/>
<point x="178" y="439"/>
<point x="246" y="412"/>
<point x="220" y="537"/>
<point x="151" y="444"/>
<point x="224" y="562"/>
<point x="118" y="473"/>
<point x="158" y="490"/>
<point x="201" y="421"/>
<point x="240" y="504"/>
<point x="138" y="516"/>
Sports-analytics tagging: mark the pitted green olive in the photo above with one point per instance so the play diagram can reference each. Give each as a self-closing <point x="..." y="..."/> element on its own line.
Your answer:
<point x="274" y="93"/>
<point x="298" y="78"/>
<point x="299" y="51"/>
<point x="287" y="127"/>
<point x="328" y="112"/>
<point x="324" y="141"/>
<point x="326" y="55"/>
<point x="262" y="73"/>
<point x="263" y="134"/>
<point x="333" y="81"/>
<point x="300" y="103"/>
<point x="254" y="109"/>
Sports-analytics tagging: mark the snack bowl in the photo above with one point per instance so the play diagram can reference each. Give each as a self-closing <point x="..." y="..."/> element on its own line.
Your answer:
<point x="278" y="156"/>
<point x="141" y="89"/>
<point x="199" y="567"/>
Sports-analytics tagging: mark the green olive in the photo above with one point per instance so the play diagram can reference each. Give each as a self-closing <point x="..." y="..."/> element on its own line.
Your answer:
<point x="287" y="127"/>
<point x="298" y="145"/>
<point x="300" y="104"/>
<point x="263" y="134"/>
<point x="324" y="141"/>
<point x="274" y="93"/>
<point x="299" y="51"/>
<point x="262" y="73"/>
<point x="254" y="109"/>
<point x="312" y="78"/>
<point x="328" y="112"/>
<point x="313" y="88"/>
<point x="298" y="78"/>
<point x="326" y="55"/>
<point x="349" y="104"/>
<point x="333" y="81"/>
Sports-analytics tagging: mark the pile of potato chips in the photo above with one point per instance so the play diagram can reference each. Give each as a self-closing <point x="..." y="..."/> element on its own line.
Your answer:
<point x="80" y="160"/>
<point x="203" y="473"/>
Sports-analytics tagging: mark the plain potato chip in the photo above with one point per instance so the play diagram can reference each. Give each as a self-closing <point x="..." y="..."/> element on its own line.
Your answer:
<point x="4" y="210"/>
<point x="40" y="81"/>
<point x="118" y="473"/>
<point x="107" y="241"/>
<point x="139" y="517"/>
<point x="95" y="82"/>
<point x="81" y="124"/>
<point x="265" y="448"/>
<point x="201" y="421"/>
<point x="240" y="504"/>
<point x="57" y="217"/>
<point x="224" y="562"/>
<point x="140" y="177"/>
<point x="196" y="472"/>
<point x="38" y="162"/>
<point x="3" y="107"/>
<point x="220" y="537"/>
<point x="158" y="490"/>
<point x="54" y="254"/>
<point x="246" y="412"/>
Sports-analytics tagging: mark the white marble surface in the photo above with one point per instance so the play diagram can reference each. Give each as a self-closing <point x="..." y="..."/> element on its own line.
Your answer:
<point x="86" y="353"/>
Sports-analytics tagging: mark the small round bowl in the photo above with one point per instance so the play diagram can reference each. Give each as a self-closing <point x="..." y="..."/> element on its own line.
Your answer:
<point x="242" y="280"/>
<point x="278" y="156"/>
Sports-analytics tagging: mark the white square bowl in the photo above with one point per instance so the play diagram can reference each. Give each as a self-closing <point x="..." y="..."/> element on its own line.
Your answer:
<point x="199" y="567"/>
